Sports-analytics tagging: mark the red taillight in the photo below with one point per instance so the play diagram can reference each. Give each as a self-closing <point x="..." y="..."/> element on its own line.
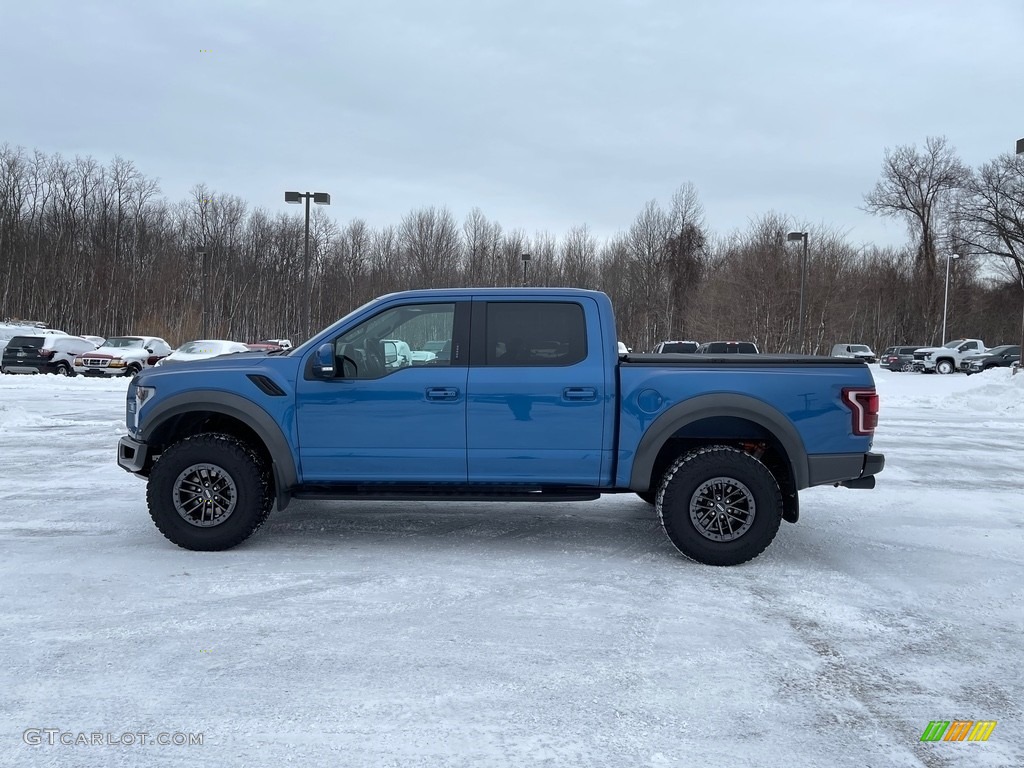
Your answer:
<point x="863" y="404"/>
<point x="151" y="360"/>
<point x="46" y="352"/>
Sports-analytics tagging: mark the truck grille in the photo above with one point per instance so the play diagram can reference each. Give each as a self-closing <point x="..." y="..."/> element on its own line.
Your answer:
<point x="96" y="362"/>
<point x="919" y="355"/>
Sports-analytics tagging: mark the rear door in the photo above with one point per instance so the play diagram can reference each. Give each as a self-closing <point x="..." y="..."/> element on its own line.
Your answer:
<point x="537" y="392"/>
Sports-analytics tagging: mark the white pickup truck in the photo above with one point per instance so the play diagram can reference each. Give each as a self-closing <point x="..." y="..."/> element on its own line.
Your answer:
<point x="946" y="359"/>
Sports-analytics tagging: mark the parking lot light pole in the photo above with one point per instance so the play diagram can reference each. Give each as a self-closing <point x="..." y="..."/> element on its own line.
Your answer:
<point x="794" y="236"/>
<point x="526" y="260"/>
<point x="945" y="301"/>
<point x="1020" y="363"/>
<point x="320" y="198"/>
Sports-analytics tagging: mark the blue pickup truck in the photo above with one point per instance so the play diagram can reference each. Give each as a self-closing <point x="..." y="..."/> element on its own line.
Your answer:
<point x="500" y="394"/>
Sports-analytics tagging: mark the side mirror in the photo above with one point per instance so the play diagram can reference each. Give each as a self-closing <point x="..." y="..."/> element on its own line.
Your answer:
<point x="323" y="361"/>
<point x="390" y="354"/>
<point x="149" y="350"/>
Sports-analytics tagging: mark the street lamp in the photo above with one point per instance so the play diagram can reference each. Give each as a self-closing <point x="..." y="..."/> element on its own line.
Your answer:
<point x="320" y="198"/>
<point x="202" y="254"/>
<point x="526" y="260"/>
<point x="945" y="301"/>
<point x="1020" y="364"/>
<point x="794" y="236"/>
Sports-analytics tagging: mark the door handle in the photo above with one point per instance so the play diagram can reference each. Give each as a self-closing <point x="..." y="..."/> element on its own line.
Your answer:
<point x="579" y="393"/>
<point x="445" y="394"/>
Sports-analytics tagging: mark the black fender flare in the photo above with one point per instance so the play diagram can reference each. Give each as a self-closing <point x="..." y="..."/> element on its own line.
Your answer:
<point x="245" y="411"/>
<point x="709" y="406"/>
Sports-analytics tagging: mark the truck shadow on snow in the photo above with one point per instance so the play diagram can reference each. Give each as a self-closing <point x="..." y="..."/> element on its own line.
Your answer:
<point x="629" y="525"/>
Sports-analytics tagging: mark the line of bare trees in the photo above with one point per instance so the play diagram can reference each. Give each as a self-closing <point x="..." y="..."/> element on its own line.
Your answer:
<point x="94" y="248"/>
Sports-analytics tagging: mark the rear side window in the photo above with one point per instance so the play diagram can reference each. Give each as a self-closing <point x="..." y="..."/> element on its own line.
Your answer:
<point x="36" y="342"/>
<point x="531" y="333"/>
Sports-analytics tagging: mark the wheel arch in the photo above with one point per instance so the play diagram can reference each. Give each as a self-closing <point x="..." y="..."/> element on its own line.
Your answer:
<point x="722" y="419"/>
<point x="193" y="412"/>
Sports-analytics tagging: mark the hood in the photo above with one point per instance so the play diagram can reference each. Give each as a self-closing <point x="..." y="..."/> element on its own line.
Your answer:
<point x="116" y="352"/>
<point x="179" y="366"/>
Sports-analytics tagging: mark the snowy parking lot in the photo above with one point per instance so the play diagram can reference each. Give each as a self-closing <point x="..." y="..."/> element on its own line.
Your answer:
<point x="569" y="634"/>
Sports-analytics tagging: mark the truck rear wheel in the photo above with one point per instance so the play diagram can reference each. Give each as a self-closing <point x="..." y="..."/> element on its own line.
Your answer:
<point x="720" y="506"/>
<point x="209" y="492"/>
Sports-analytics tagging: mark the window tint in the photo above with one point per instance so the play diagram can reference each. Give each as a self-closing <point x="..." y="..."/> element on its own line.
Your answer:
<point x="397" y="338"/>
<point x="535" y="333"/>
<point x="36" y="342"/>
<point x="679" y="346"/>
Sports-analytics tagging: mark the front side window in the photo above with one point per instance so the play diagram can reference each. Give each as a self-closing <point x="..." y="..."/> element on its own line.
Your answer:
<point x="533" y="333"/>
<point x="408" y="336"/>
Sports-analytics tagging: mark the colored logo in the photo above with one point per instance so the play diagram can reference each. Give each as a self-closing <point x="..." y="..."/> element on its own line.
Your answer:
<point x="958" y="730"/>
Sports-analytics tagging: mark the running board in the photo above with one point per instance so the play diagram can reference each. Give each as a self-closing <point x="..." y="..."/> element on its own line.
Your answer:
<point x="370" y="492"/>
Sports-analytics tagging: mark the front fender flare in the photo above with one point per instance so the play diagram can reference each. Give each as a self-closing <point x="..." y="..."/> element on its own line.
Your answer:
<point x="237" y="407"/>
<point x="709" y="406"/>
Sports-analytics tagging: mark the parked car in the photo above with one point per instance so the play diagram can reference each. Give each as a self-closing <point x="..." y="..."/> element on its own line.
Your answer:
<point x="863" y="351"/>
<point x="946" y="359"/>
<point x="675" y="347"/>
<point x="51" y="353"/>
<point x="123" y="356"/>
<point x="728" y="348"/>
<point x="8" y="330"/>
<point x="262" y="346"/>
<point x="997" y="357"/>
<point x="202" y="350"/>
<point x="899" y="358"/>
<point x="99" y="341"/>
<point x="533" y="403"/>
<point x="282" y="343"/>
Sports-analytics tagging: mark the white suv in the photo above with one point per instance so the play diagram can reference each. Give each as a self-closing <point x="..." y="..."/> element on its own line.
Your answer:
<point x="123" y="356"/>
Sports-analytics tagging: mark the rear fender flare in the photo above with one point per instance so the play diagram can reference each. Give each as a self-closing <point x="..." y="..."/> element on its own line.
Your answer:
<point x="709" y="406"/>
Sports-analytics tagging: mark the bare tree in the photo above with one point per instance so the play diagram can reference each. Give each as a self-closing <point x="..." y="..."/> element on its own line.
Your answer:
<point x="915" y="186"/>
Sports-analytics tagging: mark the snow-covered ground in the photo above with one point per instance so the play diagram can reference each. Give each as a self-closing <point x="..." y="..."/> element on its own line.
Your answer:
<point x="396" y="634"/>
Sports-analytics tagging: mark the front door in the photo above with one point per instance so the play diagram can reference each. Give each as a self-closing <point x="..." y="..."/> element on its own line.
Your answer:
<point x="395" y="412"/>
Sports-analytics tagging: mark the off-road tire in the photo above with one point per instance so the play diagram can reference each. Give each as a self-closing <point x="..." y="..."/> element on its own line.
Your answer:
<point x="234" y="458"/>
<point x="680" y="487"/>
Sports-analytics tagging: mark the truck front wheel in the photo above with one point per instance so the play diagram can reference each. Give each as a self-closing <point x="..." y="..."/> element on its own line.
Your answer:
<point x="944" y="367"/>
<point x="209" y="492"/>
<point x="720" y="506"/>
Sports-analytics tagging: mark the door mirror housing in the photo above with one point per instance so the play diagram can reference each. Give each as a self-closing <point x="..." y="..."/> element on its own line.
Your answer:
<point x="390" y="354"/>
<point x="323" y="361"/>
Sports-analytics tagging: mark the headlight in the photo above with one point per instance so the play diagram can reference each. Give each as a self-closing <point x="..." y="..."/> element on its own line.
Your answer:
<point x="79" y="361"/>
<point x="142" y="394"/>
<point x="115" y="363"/>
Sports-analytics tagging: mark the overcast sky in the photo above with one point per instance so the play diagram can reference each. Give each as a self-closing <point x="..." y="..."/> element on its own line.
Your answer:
<point x="543" y="113"/>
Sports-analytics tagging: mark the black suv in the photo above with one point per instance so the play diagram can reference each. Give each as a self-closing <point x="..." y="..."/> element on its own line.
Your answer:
<point x="997" y="357"/>
<point x="899" y="358"/>
<point x="675" y="347"/>
<point x="727" y="348"/>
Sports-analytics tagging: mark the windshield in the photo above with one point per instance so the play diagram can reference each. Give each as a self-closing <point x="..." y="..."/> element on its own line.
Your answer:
<point x="201" y="347"/>
<point x="123" y="342"/>
<point x="952" y="344"/>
